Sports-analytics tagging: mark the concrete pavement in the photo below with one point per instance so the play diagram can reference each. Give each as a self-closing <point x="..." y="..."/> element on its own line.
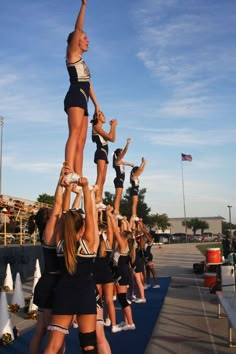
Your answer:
<point x="188" y="322"/>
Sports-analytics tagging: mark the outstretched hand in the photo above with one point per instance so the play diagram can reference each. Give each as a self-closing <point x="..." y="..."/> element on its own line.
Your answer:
<point x="109" y="210"/>
<point x="128" y="140"/>
<point x="84" y="2"/>
<point x="83" y="182"/>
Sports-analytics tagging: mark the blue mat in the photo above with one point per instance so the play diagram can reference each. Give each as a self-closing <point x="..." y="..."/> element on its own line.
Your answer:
<point x="125" y="342"/>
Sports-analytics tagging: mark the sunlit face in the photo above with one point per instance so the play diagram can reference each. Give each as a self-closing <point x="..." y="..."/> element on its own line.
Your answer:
<point x="84" y="42"/>
<point x="101" y="117"/>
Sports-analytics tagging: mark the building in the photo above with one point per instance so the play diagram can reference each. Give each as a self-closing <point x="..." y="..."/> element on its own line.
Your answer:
<point x="214" y="222"/>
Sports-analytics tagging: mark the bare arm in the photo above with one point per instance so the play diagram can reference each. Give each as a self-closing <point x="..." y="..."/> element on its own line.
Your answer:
<point x="78" y="194"/>
<point x="95" y="218"/>
<point x="109" y="226"/>
<point x="79" y="24"/>
<point x="89" y="221"/>
<point x="123" y="152"/>
<point x="116" y="232"/>
<point x="128" y="163"/>
<point x="55" y="216"/>
<point x="111" y="136"/>
<point x="94" y="99"/>
<point x="145" y="231"/>
<point x="140" y="169"/>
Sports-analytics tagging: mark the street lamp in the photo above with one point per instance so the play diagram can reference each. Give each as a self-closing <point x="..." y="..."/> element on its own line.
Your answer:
<point x="1" y="125"/>
<point x="230" y="225"/>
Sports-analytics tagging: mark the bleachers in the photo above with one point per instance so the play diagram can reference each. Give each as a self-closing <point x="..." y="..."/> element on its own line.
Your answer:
<point x="14" y="216"/>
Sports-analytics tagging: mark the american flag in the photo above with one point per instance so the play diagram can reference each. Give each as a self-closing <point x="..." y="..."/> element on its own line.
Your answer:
<point x="186" y="157"/>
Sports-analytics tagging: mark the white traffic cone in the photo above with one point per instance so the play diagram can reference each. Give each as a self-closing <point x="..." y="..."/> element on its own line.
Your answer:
<point x="37" y="275"/>
<point x="5" y="320"/>
<point x="18" y="295"/>
<point x="37" y="272"/>
<point x="8" y="282"/>
<point x="32" y="306"/>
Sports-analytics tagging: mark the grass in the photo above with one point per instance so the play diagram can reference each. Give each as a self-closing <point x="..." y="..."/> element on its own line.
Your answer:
<point x="204" y="246"/>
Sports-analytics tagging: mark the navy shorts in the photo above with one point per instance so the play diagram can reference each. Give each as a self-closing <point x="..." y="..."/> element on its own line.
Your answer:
<point x="134" y="191"/>
<point x="78" y="96"/>
<point x="122" y="275"/>
<point x="119" y="183"/>
<point x="100" y="154"/>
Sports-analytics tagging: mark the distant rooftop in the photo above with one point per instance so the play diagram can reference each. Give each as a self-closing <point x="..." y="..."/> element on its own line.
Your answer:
<point x="200" y="217"/>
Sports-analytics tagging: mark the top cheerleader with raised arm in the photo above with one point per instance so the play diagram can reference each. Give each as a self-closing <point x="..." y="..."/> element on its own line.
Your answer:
<point x="76" y="100"/>
<point x="119" y="166"/>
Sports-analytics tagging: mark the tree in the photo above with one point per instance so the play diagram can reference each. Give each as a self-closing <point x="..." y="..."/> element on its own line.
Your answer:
<point x="159" y="220"/>
<point x="126" y="203"/>
<point x="46" y="198"/>
<point x="196" y="224"/>
<point x="226" y="227"/>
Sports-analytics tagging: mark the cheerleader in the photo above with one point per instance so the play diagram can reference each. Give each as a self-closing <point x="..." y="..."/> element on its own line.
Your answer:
<point x="101" y="138"/>
<point x="121" y="260"/>
<point x="148" y="256"/>
<point x="137" y="267"/>
<point x="76" y="99"/>
<point x="103" y="273"/>
<point x="134" y="190"/>
<point x="47" y="221"/>
<point x="119" y="166"/>
<point x="75" y="293"/>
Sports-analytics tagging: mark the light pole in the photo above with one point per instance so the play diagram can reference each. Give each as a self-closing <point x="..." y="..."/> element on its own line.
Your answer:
<point x="1" y="125"/>
<point x="230" y="225"/>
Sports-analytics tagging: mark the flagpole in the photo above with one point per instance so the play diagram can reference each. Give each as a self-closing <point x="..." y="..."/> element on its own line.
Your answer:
<point x="184" y="197"/>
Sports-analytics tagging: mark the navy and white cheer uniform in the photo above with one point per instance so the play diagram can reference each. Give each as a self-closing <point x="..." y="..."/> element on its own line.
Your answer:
<point x="102" y="267"/>
<point x="138" y="265"/>
<point x="78" y="93"/>
<point x="120" y="175"/>
<point x="134" y="190"/>
<point x="147" y="252"/>
<point x="102" y="147"/>
<point x="121" y="268"/>
<point x="44" y="289"/>
<point x="75" y="294"/>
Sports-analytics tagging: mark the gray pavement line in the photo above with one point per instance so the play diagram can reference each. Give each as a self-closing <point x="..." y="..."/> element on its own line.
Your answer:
<point x="206" y="318"/>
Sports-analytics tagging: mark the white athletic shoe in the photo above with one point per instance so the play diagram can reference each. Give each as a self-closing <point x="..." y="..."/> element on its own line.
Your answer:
<point x="141" y="301"/>
<point x="157" y="286"/>
<point x="71" y="178"/>
<point x="116" y="329"/>
<point x="146" y="286"/>
<point x="107" y="323"/>
<point x="114" y="298"/>
<point x="101" y="206"/>
<point x="129" y="327"/>
<point x="129" y="301"/>
<point x="134" y="298"/>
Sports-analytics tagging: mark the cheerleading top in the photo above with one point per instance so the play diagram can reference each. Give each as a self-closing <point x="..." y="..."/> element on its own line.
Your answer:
<point x="78" y="71"/>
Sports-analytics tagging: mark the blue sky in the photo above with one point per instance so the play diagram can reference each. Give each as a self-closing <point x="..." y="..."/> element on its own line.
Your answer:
<point x="164" y="68"/>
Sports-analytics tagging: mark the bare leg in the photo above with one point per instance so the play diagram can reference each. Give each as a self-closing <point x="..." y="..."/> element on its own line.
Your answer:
<point x="134" y="205"/>
<point x="101" y="177"/>
<point x="56" y="337"/>
<point x="76" y="139"/>
<point x="108" y="296"/>
<point x="139" y="282"/>
<point x="39" y="333"/>
<point x="117" y="200"/>
<point x="127" y="310"/>
<point x="102" y="343"/>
